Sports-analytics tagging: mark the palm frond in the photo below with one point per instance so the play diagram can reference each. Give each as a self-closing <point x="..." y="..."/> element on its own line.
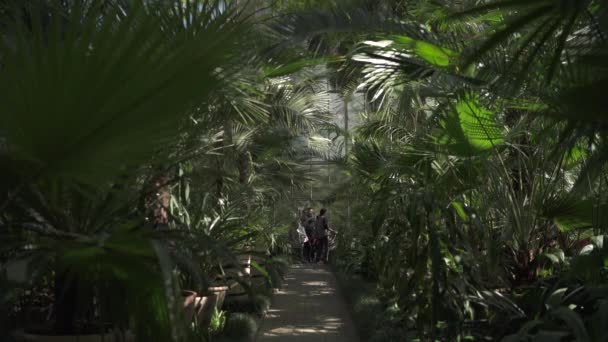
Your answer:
<point x="87" y="98"/>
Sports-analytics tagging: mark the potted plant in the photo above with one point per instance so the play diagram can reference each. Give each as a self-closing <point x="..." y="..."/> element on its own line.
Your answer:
<point x="212" y="300"/>
<point x="190" y="303"/>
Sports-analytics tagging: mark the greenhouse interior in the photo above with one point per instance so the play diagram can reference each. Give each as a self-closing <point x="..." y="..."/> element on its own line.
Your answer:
<point x="303" y="170"/>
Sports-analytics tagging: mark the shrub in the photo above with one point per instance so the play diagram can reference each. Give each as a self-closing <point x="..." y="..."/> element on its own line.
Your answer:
<point x="276" y="280"/>
<point x="241" y="327"/>
<point x="281" y="264"/>
<point x="366" y="308"/>
<point x="262" y="304"/>
<point x="258" y="305"/>
<point x="367" y="313"/>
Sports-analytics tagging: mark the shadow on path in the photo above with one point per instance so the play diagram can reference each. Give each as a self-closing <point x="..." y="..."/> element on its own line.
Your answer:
<point x="308" y="308"/>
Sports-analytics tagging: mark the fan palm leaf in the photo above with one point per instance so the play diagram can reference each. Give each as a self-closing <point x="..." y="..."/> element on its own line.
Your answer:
<point x="96" y="92"/>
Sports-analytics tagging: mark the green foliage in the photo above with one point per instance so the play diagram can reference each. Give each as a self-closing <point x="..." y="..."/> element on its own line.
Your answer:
<point x="366" y="307"/>
<point x="81" y="116"/>
<point x="262" y="304"/>
<point x="240" y="327"/>
<point x="479" y="170"/>
<point x="218" y="322"/>
<point x="470" y="129"/>
<point x="430" y="53"/>
<point x="137" y="157"/>
<point x="577" y="214"/>
<point x="143" y="144"/>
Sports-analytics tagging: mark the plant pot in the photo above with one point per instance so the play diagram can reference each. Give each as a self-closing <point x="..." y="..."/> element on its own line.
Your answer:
<point x="189" y="304"/>
<point x="205" y="306"/>
<point x="22" y="336"/>
<point x="218" y="294"/>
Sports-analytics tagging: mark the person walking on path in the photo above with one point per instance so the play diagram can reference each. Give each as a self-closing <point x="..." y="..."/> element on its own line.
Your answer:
<point x="308" y="222"/>
<point x="322" y="231"/>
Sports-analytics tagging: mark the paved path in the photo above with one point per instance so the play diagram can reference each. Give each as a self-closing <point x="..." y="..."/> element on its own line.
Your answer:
<point x="308" y="308"/>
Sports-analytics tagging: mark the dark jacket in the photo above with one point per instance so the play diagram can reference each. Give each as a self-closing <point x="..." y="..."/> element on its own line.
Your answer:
<point x="321" y="227"/>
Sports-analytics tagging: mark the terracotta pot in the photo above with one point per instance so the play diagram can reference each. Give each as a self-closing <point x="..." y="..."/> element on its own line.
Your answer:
<point x="21" y="336"/>
<point x="206" y="304"/>
<point x="204" y="309"/>
<point x="218" y="292"/>
<point x="189" y="302"/>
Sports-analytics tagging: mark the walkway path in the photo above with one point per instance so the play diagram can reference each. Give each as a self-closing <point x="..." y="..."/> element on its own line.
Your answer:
<point x="308" y="308"/>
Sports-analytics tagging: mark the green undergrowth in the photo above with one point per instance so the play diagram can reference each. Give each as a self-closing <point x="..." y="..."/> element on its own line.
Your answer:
<point x="259" y="305"/>
<point x="375" y="321"/>
<point x="244" y="314"/>
<point x="240" y="327"/>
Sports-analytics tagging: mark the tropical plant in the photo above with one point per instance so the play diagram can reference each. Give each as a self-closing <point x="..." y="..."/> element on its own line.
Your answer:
<point x="477" y="171"/>
<point x="145" y="144"/>
<point x="112" y="112"/>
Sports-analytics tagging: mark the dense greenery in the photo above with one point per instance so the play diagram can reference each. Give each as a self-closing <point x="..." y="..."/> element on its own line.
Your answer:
<point x="479" y="172"/>
<point x="143" y="148"/>
<point x="145" y="145"/>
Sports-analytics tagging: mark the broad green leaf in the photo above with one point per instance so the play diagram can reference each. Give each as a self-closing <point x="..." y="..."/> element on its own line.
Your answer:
<point x="470" y="129"/>
<point x="576" y="214"/>
<point x="478" y="124"/>
<point x="432" y="54"/>
<point x="556" y="257"/>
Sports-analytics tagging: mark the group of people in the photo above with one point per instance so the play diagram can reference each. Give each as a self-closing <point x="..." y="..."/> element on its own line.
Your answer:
<point x="316" y="245"/>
